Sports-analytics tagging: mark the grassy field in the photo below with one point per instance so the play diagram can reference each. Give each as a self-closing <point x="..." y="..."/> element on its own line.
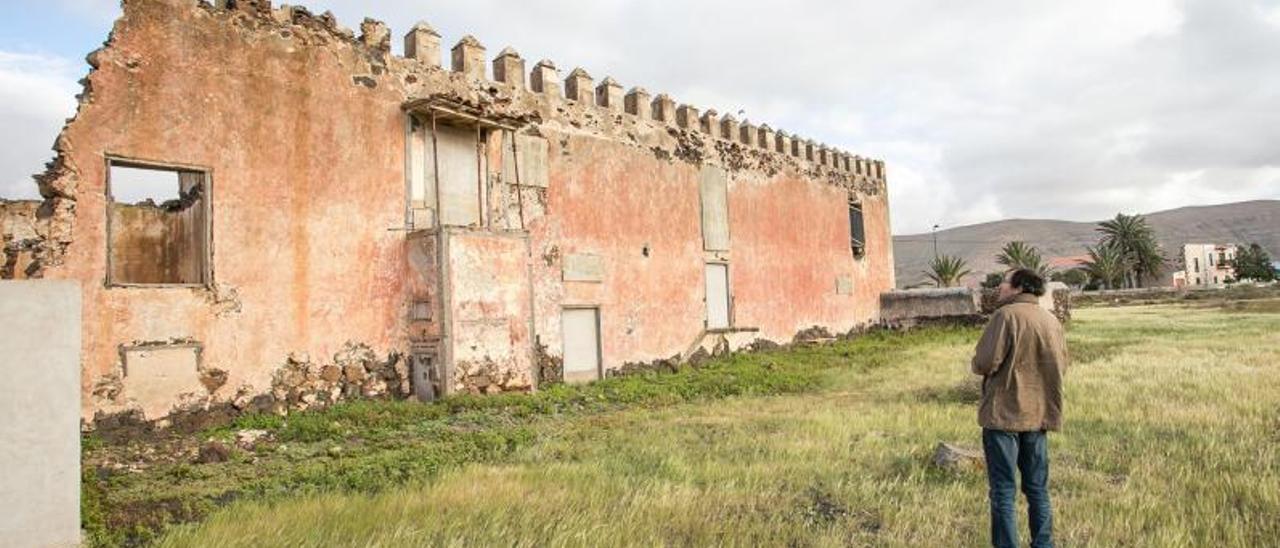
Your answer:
<point x="1171" y="436"/>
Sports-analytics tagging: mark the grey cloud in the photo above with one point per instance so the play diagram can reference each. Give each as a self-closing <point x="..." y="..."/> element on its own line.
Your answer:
<point x="983" y="109"/>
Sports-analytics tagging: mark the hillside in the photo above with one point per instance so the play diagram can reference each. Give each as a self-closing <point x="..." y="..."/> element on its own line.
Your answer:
<point x="1243" y="222"/>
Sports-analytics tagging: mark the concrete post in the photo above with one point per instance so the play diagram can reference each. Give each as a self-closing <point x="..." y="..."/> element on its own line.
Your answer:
<point x="40" y="403"/>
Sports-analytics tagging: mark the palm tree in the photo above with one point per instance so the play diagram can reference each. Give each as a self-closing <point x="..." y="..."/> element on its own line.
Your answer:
<point x="1017" y="255"/>
<point x="1106" y="265"/>
<point x="1136" y="242"/>
<point x="947" y="270"/>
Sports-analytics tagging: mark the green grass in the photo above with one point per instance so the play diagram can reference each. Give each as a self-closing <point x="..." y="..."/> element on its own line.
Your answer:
<point x="368" y="446"/>
<point x="1170" y="439"/>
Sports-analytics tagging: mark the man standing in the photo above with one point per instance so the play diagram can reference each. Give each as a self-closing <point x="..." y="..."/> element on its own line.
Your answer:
<point x="1021" y="357"/>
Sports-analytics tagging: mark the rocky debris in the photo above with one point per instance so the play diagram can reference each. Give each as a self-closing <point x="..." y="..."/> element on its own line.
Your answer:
<point x="375" y="34"/>
<point x="660" y="365"/>
<point x="762" y="345"/>
<point x="1062" y="304"/>
<point x="213" y="451"/>
<point x="550" y="369"/>
<point x="19" y="235"/>
<point x="300" y="384"/>
<point x="213" y="379"/>
<point x="108" y="387"/>
<point x="249" y="439"/>
<point x="356" y="371"/>
<point x="813" y="335"/>
<point x="957" y="458"/>
<point x="699" y="357"/>
<point x="489" y="377"/>
<point x="989" y="300"/>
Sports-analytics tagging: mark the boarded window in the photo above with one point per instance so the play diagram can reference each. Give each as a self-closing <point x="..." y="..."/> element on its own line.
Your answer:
<point x="857" y="231"/>
<point x="717" y="280"/>
<point x="422" y="195"/>
<point x="581" y="329"/>
<point x="533" y="160"/>
<point x="457" y="169"/>
<point x="158" y="228"/>
<point x="155" y="376"/>
<point x="713" y="190"/>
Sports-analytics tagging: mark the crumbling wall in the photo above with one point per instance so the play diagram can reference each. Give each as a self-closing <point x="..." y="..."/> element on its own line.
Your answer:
<point x="19" y="235"/>
<point x="301" y="125"/>
<point x="490" y="315"/>
<point x="306" y="178"/>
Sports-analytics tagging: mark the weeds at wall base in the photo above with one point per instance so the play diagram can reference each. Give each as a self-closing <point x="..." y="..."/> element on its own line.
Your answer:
<point x="131" y="493"/>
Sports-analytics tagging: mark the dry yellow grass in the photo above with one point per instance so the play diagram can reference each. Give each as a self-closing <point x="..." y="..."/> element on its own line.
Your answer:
<point x="1172" y="428"/>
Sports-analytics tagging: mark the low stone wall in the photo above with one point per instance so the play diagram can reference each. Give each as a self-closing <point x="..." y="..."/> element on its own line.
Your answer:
<point x="1157" y="295"/>
<point x="300" y="384"/>
<point x="916" y="305"/>
<point x="19" y="234"/>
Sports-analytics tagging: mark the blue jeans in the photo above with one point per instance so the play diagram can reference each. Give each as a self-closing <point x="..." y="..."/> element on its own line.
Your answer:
<point x="1029" y="453"/>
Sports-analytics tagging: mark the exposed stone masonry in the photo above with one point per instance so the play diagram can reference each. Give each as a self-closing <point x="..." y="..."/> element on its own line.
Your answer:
<point x="572" y="106"/>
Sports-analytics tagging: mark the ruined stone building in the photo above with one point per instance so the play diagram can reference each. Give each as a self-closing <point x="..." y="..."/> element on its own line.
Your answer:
<point x="268" y="211"/>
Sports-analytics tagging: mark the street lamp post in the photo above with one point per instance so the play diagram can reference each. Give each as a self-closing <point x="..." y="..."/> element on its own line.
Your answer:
<point x="935" y="241"/>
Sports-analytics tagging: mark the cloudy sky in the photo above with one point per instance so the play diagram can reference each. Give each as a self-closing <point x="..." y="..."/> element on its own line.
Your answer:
<point x="982" y="109"/>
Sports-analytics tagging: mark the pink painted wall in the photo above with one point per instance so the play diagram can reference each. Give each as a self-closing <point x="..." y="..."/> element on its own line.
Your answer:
<point x="303" y="132"/>
<point x="306" y="178"/>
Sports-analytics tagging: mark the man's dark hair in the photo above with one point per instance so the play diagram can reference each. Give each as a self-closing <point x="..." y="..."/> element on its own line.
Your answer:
<point x="1028" y="281"/>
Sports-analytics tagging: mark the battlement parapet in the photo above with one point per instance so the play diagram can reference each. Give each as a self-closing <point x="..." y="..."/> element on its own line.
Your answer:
<point x="543" y="83"/>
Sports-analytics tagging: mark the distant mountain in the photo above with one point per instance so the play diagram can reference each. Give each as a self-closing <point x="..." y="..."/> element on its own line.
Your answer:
<point x="1243" y="222"/>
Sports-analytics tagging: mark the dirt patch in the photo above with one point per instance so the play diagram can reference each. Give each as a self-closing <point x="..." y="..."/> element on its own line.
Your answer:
<point x="966" y="392"/>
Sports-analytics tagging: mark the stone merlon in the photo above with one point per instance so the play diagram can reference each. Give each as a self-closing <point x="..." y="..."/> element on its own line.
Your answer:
<point x="609" y="94"/>
<point x="578" y="86"/>
<point x="545" y="79"/>
<point x="508" y="68"/>
<point x="468" y="57"/>
<point x="423" y="43"/>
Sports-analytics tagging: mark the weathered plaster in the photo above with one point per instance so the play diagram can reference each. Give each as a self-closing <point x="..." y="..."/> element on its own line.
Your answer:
<point x="322" y="238"/>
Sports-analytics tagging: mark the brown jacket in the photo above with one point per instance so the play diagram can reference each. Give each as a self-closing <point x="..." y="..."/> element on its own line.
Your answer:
<point x="1021" y="357"/>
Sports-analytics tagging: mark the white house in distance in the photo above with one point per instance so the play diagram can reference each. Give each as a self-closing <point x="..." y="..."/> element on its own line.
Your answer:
<point x="1205" y="265"/>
